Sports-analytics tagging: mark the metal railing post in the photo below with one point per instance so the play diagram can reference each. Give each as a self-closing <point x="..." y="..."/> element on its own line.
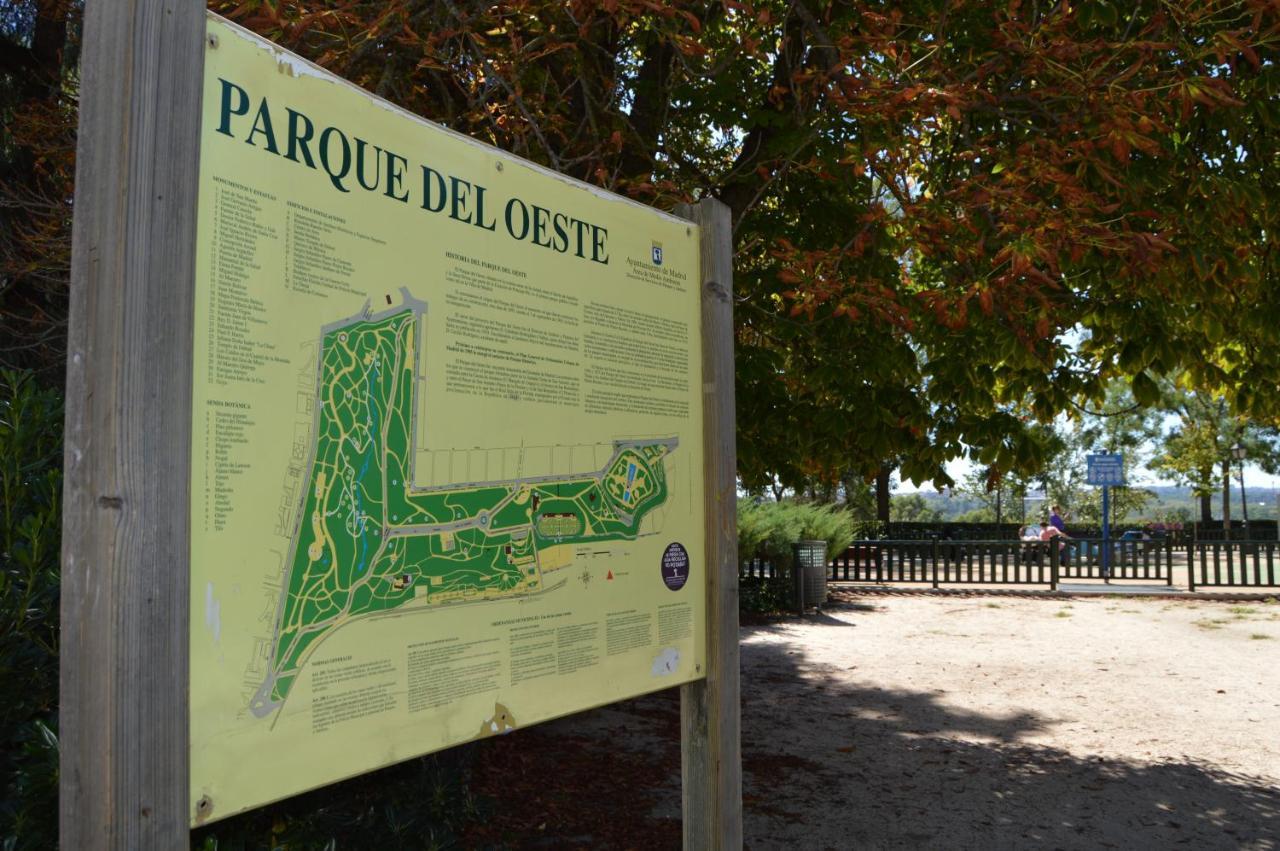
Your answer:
<point x="935" y="563"/>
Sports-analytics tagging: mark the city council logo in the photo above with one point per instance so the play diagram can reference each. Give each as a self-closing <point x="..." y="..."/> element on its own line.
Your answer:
<point x="657" y="254"/>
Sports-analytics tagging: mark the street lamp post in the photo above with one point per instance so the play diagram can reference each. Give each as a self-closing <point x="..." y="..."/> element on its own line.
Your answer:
<point x="1238" y="452"/>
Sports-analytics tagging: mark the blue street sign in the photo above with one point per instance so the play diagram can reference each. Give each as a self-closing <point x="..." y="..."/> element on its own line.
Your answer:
<point x="1105" y="469"/>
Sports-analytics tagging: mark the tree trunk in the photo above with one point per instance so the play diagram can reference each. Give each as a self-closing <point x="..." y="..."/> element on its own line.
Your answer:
<point x="1206" y="509"/>
<point x="882" y="493"/>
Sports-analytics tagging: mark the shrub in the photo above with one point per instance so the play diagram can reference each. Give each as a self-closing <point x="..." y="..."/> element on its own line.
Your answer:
<point x="827" y="523"/>
<point x="752" y="529"/>
<point x="868" y="530"/>
<point x="423" y="803"/>
<point x="758" y="595"/>
<point x="769" y="529"/>
<point x="30" y="538"/>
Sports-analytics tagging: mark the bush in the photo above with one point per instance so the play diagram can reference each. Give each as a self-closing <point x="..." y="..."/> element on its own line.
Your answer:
<point x="30" y="539"/>
<point x="753" y="528"/>
<point x="768" y="529"/>
<point x="422" y="803"/>
<point x="761" y="596"/>
<point x="868" y="530"/>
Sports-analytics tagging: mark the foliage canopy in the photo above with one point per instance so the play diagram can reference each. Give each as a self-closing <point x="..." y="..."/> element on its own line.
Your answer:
<point x="951" y="221"/>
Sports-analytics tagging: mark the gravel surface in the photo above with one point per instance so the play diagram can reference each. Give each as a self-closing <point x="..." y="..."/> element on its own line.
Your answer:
<point x="962" y="722"/>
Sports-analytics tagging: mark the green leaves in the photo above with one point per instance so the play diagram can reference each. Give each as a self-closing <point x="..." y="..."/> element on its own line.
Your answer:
<point x="1145" y="390"/>
<point x="30" y="520"/>
<point x="1097" y="12"/>
<point x="770" y="528"/>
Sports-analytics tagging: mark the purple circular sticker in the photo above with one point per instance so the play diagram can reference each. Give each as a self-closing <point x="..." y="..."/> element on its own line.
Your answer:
<point x="675" y="566"/>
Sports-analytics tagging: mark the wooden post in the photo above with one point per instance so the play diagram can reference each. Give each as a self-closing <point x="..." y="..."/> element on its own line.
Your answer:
<point x="125" y="545"/>
<point x="710" y="719"/>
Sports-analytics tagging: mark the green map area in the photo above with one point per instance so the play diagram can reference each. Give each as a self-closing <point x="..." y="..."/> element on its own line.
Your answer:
<point x="368" y="542"/>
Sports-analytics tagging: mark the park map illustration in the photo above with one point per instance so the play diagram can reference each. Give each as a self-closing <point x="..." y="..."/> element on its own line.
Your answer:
<point x="368" y="542"/>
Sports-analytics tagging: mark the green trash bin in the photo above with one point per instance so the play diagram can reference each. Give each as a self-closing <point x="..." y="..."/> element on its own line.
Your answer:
<point x="809" y="561"/>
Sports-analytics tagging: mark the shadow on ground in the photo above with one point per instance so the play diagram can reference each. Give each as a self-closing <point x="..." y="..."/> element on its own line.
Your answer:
<point x="830" y="763"/>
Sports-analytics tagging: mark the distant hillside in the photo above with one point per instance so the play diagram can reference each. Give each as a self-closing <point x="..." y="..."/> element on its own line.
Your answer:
<point x="1170" y="501"/>
<point x="1262" y="501"/>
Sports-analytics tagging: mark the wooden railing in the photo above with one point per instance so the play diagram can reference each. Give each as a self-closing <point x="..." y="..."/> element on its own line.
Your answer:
<point x="1233" y="564"/>
<point x="947" y="562"/>
<point x="1210" y="564"/>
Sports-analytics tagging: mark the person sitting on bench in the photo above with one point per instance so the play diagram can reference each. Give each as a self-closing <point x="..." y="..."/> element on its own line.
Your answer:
<point x="1048" y="533"/>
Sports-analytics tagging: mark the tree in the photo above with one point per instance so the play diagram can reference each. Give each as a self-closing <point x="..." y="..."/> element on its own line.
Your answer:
<point x="1000" y="496"/>
<point x="39" y="51"/>
<point x="945" y="215"/>
<point x="1192" y="450"/>
<point x="1196" y="451"/>
<point x="913" y="508"/>
<point x="1118" y="425"/>
<point x="1125" y="501"/>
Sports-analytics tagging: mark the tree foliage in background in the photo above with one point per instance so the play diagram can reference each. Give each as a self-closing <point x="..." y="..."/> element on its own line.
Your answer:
<point x="1000" y="501"/>
<point x="39" y="53"/>
<point x="950" y="221"/>
<point x="912" y="508"/>
<point x="1196" y="450"/>
<point x="1118" y="425"/>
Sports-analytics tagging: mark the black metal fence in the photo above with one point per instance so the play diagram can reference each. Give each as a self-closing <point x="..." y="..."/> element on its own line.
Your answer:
<point x="1209" y="564"/>
<point x="761" y="568"/>
<point x="949" y="562"/>
<point x="1149" y="560"/>
<point x="1233" y="564"/>
<point x="959" y="562"/>
<point x="910" y="531"/>
<point x="1254" y="530"/>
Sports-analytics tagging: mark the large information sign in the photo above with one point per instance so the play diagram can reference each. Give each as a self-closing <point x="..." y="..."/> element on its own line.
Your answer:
<point x="447" y="438"/>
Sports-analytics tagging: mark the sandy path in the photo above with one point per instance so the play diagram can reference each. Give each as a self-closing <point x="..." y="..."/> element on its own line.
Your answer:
<point x="979" y="722"/>
<point x="1010" y="723"/>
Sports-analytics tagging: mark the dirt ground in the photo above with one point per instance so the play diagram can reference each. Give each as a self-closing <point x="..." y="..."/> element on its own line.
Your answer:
<point x="944" y="722"/>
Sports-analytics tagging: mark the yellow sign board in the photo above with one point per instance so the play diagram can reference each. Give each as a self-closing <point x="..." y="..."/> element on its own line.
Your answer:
<point x="447" y="438"/>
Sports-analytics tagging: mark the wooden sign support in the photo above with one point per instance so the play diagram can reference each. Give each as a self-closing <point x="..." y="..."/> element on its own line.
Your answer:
<point x="710" y="715"/>
<point x="126" y="525"/>
<point x="126" y="517"/>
